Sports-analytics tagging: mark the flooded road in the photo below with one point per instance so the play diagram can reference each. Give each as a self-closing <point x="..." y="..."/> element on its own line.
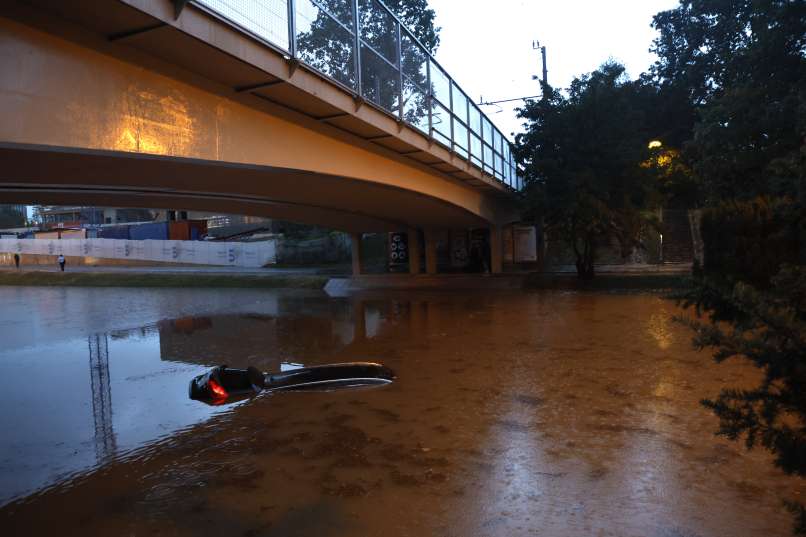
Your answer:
<point x="544" y="413"/>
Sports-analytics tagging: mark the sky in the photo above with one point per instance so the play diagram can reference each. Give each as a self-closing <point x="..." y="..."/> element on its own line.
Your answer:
<point x="486" y="47"/>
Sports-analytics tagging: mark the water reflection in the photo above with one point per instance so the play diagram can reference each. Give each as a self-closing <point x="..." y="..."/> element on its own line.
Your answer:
<point x="105" y="441"/>
<point x="513" y="414"/>
<point x="137" y="388"/>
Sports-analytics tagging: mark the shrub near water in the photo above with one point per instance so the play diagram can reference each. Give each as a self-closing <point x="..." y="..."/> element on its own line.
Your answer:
<point x="754" y="281"/>
<point x="751" y="240"/>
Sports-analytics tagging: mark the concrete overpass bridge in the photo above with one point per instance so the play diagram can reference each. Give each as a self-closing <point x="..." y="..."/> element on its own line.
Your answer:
<point x="326" y="112"/>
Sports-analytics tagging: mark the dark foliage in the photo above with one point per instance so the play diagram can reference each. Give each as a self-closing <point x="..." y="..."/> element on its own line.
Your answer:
<point x="751" y="240"/>
<point x="742" y="67"/>
<point x="585" y="160"/>
<point x="768" y="328"/>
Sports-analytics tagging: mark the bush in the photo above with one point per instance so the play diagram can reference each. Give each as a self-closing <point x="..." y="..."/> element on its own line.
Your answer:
<point x="750" y="240"/>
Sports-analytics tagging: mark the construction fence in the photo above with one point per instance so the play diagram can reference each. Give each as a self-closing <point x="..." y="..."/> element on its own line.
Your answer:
<point x="233" y="254"/>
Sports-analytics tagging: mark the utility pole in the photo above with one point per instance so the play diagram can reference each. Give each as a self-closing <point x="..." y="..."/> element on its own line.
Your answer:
<point x="536" y="46"/>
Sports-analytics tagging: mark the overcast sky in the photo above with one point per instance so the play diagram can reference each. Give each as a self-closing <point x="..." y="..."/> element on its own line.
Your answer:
<point x="486" y="46"/>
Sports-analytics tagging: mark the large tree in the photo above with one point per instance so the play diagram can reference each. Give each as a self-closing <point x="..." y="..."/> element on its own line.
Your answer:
<point x="741" y="64"/>
<point x="585" y="155"/>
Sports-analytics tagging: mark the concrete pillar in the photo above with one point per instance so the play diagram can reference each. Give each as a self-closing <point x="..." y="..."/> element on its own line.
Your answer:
<point x="414" y="251"/>
<point x="496" y="250"/>
<point x="355" y="243"/>
<point x="430" y="252"/>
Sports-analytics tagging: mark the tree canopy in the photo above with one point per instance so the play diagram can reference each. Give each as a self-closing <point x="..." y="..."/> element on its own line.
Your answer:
<point x="740" y="66"/>
<point x="585" y="156"/>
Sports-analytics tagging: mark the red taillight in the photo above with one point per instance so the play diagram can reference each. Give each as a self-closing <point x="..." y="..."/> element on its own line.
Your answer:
<point x="217" y="390"/>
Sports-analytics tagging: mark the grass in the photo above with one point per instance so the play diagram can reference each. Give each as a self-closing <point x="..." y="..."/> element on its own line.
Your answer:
<point x="144" y="279"/>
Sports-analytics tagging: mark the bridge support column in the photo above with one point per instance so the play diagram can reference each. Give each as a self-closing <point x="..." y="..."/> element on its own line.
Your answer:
<point x="414" y="251"/>
<point x="430" y="252"/>
<point x="496" y="250"/>
<point x="355" y="244"/>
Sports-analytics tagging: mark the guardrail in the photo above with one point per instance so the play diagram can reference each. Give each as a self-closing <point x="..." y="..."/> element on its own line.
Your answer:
<point x="364" y="48"/>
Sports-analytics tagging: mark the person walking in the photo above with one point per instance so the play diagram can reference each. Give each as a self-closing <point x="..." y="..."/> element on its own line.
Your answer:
<point x="61" y="261"/>
<point x="17" y="261"/>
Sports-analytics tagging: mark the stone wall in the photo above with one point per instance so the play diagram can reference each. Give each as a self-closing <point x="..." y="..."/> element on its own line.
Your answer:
<point x="332" y="248"/>
<point x="678" y="245"/>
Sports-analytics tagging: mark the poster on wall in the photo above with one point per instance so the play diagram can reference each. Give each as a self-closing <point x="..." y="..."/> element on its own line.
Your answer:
<point x="398" y="250"/>
<point x="459" y="249"/>
<point x="525" y="239"/>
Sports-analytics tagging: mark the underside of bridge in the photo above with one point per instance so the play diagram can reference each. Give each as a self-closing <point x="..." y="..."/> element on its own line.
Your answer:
<point x="115" y="103"/>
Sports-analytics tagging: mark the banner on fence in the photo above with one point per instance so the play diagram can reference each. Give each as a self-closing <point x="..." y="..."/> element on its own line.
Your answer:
<point x="234" y="254"/>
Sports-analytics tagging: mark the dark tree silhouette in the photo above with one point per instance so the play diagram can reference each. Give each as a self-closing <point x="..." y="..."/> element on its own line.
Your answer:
<point x="585" y="159"/>
<point x="741" y="65"/>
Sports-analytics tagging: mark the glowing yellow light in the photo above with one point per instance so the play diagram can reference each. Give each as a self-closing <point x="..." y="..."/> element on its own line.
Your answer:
<point x="659" y="329"/>
<point x="153" y="123"/>
<point x="664" y="160"/>
<point x="654" y="144"/>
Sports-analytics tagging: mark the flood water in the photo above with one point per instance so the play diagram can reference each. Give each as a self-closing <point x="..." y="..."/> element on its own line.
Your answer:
<point x="543" y="413"/>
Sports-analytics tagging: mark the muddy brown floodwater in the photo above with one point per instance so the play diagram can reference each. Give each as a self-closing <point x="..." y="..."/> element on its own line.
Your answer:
<point x="544" y="413"/>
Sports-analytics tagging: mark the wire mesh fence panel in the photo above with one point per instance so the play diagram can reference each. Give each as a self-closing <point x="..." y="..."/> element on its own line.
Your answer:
<point x="440" y="85"/>
<point x="459" y="104"/>
<point x="475" y="150"/>
<point x="341" y="10"/>
<point x="499" y="166"/>
<point x="415" y="105"/>
<point x="475" y="120"/>
<point x="441" y="123"/>
<point x="487" y="132"/>
<point x="265" y="19"/>
<point x="378" y="29"/>
<point x="414" y="61"/>
<point x="326" y="43"/>
<point x="488" y="159"/>
<point x="380" y="82"/>
<point x="459" y="134"/>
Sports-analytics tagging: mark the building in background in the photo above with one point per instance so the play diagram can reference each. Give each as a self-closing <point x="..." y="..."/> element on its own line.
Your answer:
<point x="12" y="216"/>
<point x="78" y="216"/>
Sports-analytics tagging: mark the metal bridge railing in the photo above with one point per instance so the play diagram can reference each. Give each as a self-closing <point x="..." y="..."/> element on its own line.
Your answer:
<point x="362" y="46"/>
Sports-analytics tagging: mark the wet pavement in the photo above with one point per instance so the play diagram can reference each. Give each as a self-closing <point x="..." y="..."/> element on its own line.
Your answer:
<point x="514" y="413"/>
